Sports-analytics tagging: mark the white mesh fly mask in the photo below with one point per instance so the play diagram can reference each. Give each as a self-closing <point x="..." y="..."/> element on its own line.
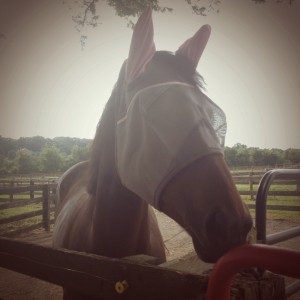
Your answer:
<point x="168" y="122"/>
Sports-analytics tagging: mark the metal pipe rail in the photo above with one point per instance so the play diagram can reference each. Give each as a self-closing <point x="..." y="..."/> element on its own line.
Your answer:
<point x="278" y="260"/>
<point x="261" y="206"/>
<point x="261" y="214"/>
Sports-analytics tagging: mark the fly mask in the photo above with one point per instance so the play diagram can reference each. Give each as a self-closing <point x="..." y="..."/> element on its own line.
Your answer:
<point x="168" y="124"/>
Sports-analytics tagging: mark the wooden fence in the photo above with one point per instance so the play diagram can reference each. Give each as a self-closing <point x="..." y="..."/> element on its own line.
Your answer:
<point x="253" y="178"/>
<point x="129" y="278"/>
<point x="21" y="182"/>
<point x="48" y="206"/>
<point x="114" y="278"/>
<point x="43" y="191"/>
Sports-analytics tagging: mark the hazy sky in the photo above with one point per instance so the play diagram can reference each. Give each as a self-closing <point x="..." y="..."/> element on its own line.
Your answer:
<point x="50" y="87"/>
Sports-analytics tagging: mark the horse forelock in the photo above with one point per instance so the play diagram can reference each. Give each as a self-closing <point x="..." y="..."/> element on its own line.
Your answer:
<point x="166" y="66"/>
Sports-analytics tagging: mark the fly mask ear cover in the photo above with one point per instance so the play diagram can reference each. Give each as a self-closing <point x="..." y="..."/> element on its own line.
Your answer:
<point x="167" y="126"/>
<point x="142" y="47"/>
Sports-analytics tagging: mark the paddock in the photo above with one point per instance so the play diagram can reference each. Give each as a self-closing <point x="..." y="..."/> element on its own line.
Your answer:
<point x="193" y="268"/>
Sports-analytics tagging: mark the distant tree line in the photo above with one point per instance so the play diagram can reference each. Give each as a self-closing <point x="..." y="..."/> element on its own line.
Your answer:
<point x="38" y="154"/>
<point x="240" y="155"/>
<point x="41" y="155"/>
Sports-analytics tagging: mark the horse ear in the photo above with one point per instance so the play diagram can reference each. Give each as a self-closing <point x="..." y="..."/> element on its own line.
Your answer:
<point x="142" y="46"/>
<point x="193" y="48"/>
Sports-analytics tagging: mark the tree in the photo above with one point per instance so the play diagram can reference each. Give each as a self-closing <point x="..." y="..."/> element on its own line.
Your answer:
<point x="41" y="154"/>
<point x="274" y="157"/>
<point x="8" y="166"/>
<point x="80" y="153"/>
<point x="66" y="144"/>
<point x="257" y="156"/>
<point x="243" y="157"/>
<point x="230" y="156"/>
<point x="50" y="159"/>
<point x="89" y="15"/>
<point x="6" y="145"/>
<point x="37" y="143"/>
<point x="34" y="144"/>
<point x="293" y="155"/>
<point x="25" y="162"/>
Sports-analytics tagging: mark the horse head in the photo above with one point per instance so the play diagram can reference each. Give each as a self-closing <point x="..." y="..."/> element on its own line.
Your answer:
<point x="159" y="142"/>
<point x="169" y="142"/>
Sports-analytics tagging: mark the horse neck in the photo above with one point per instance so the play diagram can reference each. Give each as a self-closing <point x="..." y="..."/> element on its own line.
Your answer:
<point x="120" y="220"/>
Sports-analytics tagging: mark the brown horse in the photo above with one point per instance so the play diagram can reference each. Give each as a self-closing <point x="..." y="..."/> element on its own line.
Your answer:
<point x="159" y="142"/>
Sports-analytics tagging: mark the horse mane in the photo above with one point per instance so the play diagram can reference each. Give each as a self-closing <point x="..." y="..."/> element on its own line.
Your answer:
<point x="103" y="135"/>
<point x="102" y="158"/>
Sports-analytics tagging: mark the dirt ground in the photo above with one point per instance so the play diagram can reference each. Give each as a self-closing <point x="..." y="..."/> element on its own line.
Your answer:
<point x="15" y="286"/>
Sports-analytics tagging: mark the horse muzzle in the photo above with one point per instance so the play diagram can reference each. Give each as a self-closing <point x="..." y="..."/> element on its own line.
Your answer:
<point x="219" y="238"/>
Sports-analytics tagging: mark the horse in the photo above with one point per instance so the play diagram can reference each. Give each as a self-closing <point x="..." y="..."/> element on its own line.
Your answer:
<point x="159" y="143"/>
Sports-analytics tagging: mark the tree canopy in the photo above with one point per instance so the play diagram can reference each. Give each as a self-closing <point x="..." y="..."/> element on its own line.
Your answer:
<point x="38" y="154"/>
<point x="89" y="15"/>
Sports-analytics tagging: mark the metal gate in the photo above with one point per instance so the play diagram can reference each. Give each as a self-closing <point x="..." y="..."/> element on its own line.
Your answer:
<point x="261" y="213"/>
<point x="262" y="255"/>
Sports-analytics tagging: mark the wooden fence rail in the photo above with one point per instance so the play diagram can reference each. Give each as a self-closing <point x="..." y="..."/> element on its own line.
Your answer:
<point x="251" y="178"/>
<point x="255" y="180"/>
<point x="48" y="198"/>
<point x="115" y="279"/>
<point x="45" y="194"/>
<point x="13" y="185"/>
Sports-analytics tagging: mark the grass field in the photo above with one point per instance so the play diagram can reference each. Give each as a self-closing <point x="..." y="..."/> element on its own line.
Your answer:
<point x="275" y="200"/>
<point x="10" y="212"/>
<point x="5" y="198"/>
<point x="5" y="213"/>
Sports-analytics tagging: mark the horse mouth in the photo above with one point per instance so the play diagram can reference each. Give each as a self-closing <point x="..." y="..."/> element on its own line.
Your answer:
<point x="204" y="253"/>
<point x="213" y="251"/>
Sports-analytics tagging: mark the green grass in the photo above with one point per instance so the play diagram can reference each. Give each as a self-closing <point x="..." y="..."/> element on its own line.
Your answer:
<point x="20" y="224"/>
<point x="273" y="187"/>
<point x="274" y="200"/>
<point x="10" y="212"/>
<point x="5" y="213"/>
<point x="20" y="196"/>
<point x="279" y="214"/>
<point x="280" y="200"/>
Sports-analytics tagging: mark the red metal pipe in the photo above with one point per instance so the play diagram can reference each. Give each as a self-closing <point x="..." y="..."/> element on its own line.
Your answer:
<point x="277" y="260"/>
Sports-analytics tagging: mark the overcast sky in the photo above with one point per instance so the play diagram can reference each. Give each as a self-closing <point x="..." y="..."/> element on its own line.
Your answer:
<point x="251" y="65"/>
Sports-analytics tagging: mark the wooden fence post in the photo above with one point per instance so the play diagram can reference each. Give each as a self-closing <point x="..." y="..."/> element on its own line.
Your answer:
<point x="46" y="207"/>
<point x="11" y="196"/>
<point x="251" y="185"/>
<point x="32" y="191"/>
<point x="53" y="189"/>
